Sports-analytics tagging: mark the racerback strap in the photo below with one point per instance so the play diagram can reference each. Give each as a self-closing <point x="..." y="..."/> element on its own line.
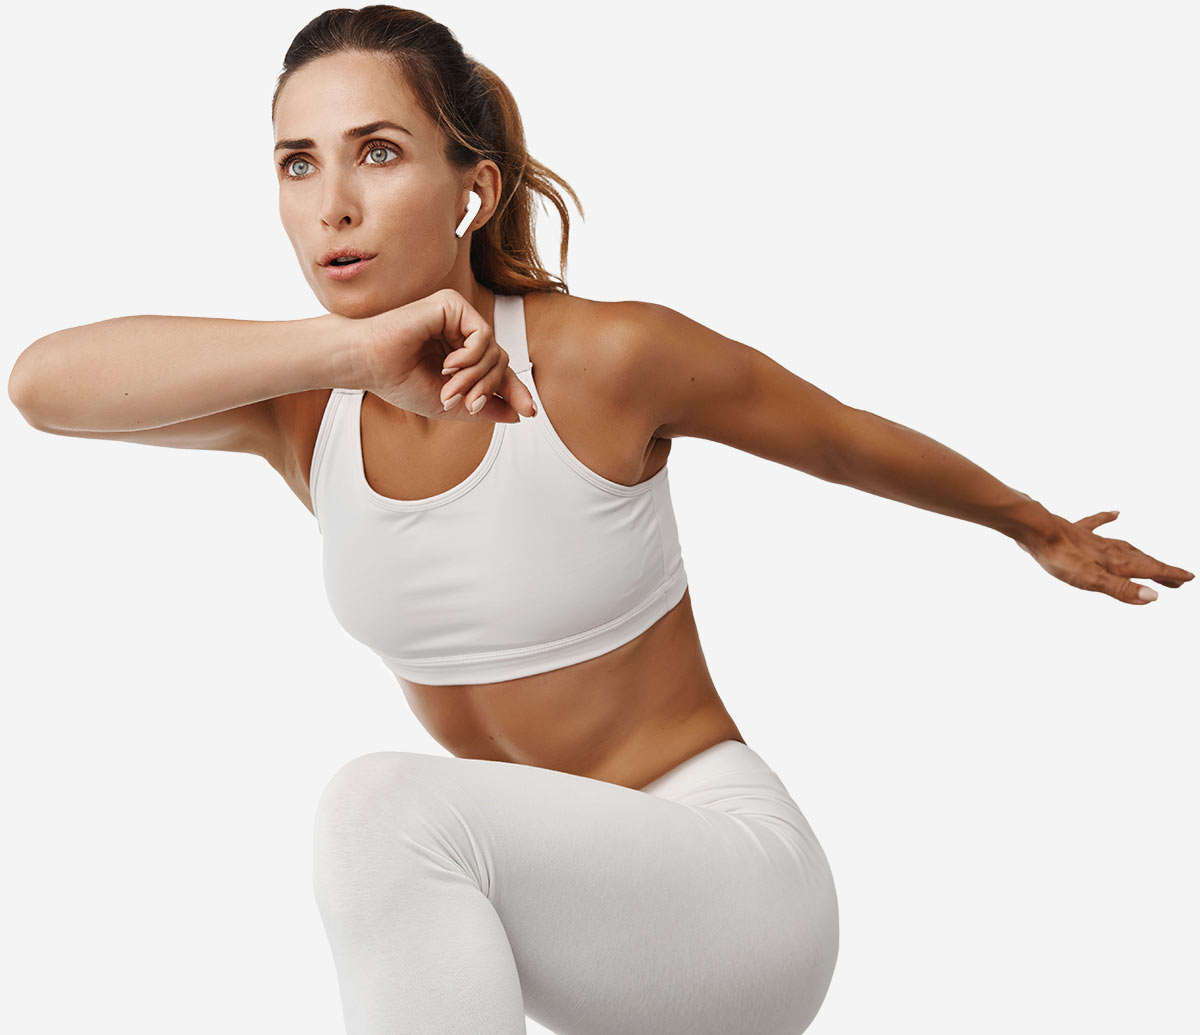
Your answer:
<point x="509" y="327"/>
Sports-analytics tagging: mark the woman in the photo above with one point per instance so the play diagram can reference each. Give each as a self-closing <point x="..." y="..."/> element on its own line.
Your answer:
<point x="604" y="852"/>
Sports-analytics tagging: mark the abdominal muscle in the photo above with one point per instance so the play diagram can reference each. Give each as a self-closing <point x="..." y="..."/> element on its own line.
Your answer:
<point x="624" y="717"/>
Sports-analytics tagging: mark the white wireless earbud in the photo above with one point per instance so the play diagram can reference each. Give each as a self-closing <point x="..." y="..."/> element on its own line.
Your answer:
<point x="473" y="203"/>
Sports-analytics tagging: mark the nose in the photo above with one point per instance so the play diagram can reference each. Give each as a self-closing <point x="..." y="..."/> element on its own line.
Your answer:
<point x="340" y="203"/>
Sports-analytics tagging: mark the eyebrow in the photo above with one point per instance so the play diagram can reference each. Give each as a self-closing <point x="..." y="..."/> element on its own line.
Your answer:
<point x="350" y="134"/>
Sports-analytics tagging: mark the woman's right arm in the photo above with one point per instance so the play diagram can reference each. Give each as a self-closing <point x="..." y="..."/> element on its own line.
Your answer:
<point x="184" y="381"/>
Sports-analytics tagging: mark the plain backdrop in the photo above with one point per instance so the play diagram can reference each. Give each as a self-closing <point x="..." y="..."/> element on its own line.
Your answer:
<point x="978" y="220"/>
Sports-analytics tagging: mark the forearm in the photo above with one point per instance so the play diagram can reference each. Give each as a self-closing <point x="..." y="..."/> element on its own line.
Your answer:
<point x="888" y="459"/>
<point x="137" y="372"/>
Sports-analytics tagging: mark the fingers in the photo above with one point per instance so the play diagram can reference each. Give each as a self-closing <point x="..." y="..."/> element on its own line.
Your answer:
<point x="1114" y="582"/>
<point x="1123" y="562"/>
<point x="466" y="365"/>
<point x="1125" y="591"/>
<point x="1127" y="560"/>
<point x="484" y="390"/>
<point x="490" y="376"/>
<point x="478" y="369"/>
<point x="448" y="316"/>
<point x="489" y="379"/>
<point x="1093" y="522"/>
<point x="518" y="396"/>
<point x="471" y="384"/>
<point x="1164" y="574"/>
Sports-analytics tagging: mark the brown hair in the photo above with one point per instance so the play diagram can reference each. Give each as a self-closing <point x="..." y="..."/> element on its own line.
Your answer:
<point x="479" y="116"/>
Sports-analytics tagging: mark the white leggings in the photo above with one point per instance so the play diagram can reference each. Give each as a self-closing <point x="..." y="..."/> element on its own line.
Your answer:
<point x="460" y="895"/>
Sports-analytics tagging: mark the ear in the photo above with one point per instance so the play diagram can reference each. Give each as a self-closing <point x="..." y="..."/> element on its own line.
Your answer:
<point x="484" y="181"/>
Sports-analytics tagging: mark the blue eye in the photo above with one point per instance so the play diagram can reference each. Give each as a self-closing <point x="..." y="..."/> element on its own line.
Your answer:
<point x="288" y="161"/>
<point x="372" y="146"/>
<point x="381" y="147"/>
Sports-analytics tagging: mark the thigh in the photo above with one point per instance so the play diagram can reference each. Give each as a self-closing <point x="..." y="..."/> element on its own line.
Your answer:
<point x="627" y="911"/>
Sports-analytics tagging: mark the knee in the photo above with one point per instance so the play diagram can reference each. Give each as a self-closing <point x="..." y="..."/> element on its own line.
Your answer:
<point x="370" y="791"/>
<point x="366" y="816"/>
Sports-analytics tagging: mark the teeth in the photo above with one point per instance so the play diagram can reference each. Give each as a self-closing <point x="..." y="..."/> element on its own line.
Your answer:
<point x="345" y="260"/>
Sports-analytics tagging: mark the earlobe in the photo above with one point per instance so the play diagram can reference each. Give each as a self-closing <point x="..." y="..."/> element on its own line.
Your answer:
<point x="473" y="203"/>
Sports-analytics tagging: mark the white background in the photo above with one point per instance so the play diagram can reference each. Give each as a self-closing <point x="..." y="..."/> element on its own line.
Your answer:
<point x="979" y="220"/>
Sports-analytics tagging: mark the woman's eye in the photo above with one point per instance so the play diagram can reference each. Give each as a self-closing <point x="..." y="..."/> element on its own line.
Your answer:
<point x="386" y="150"/>
<point x="291" y="162"/>
<point x="377" y="153"/>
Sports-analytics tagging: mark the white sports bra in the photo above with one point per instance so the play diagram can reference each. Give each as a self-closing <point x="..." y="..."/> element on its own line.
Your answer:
<point x="532" y="563"/>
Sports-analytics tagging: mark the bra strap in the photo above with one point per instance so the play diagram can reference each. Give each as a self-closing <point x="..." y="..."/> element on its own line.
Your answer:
<point x="509" y="326"/>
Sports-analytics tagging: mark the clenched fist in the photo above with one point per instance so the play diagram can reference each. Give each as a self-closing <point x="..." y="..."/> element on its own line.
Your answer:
<point x="410" y="347"/>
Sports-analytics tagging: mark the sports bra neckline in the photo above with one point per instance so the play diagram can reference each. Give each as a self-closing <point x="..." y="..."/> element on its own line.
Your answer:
<point x="508" y="327"/>
<point x="424" y="502"/>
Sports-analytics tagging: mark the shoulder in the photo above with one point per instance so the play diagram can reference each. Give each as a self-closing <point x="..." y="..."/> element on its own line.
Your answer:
<point x="584" y="354"/>
<point x="585" y="335"/>
<point x="554" y="316"/>
<point x="679" y="376"/>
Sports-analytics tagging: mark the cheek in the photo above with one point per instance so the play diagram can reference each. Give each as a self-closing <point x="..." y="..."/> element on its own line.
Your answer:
<point x="418" y="208"/>
<point x="288" y="216"/>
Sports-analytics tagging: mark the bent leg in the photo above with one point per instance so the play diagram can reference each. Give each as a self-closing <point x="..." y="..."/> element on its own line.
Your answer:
<point x="459" y="894"/>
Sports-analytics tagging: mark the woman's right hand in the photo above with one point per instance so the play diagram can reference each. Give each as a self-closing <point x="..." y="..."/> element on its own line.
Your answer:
<point x="409" y="346"/>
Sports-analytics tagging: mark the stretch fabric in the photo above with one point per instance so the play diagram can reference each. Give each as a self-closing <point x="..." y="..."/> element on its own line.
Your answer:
<point x="462" y="895"/>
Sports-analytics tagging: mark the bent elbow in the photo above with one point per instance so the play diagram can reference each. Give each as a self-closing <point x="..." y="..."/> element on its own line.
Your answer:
<point x="26" y="379"/>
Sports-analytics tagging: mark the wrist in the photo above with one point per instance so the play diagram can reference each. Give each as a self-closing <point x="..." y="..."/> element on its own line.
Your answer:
<point x="347" y="350"/>
<point x="1026" y="521"/>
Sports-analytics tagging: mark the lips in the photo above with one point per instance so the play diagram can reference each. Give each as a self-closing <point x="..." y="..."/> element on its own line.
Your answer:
<point x="344" y="257"/>
<point x="353" y="269"/>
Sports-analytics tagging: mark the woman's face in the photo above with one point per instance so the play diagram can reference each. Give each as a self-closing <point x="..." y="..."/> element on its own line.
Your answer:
<point x="386" y="191"/>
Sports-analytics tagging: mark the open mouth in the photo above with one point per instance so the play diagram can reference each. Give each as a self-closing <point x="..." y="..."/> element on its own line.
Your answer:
<point x="346" y="267"/>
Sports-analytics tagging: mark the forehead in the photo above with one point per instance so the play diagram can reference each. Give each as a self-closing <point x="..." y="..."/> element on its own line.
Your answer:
<point x="336" y="91"/>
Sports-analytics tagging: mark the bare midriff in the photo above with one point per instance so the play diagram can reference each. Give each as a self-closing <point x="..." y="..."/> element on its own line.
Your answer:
<point x="625" y="717"/>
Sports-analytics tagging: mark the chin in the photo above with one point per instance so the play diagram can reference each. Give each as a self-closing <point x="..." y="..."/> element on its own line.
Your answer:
<point x="358" y="309"/>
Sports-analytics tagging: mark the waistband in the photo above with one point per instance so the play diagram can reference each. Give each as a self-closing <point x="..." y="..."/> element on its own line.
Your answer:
<point x="733" y="778"/>
<point x="713" y="765"/>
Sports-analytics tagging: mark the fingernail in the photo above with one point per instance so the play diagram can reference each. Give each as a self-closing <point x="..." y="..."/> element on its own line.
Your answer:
<point x="1146" y="593"/>
<point x="453" y="401"/>
<point x="478" y="404"/>
<point x="446" y="370"/>
<point x="534" y="406"/>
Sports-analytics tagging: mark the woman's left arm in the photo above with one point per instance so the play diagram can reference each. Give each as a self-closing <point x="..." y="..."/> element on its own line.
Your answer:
<point x="689" y="380"/>
<point x="891" y="460"/>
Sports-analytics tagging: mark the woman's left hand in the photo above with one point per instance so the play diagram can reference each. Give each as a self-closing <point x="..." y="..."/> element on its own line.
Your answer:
<point x="1076" y="555"/>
